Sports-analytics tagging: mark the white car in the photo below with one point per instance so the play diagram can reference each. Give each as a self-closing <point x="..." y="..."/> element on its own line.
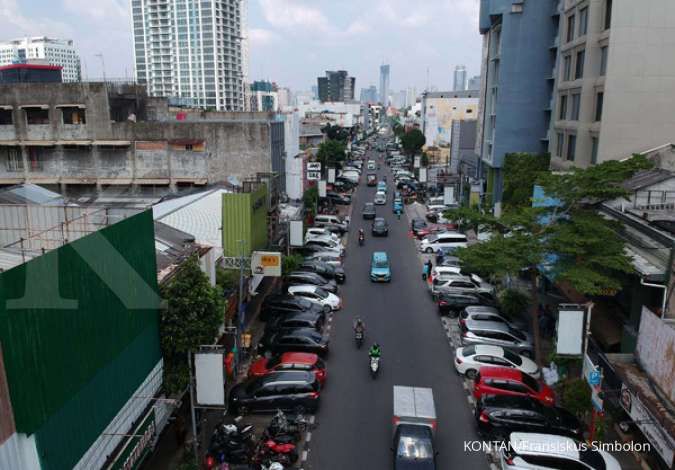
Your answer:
<point x="469" y="360"/>
<point x="454" y="282"/>
<point x="532" y="451"/>
<point x="329" y="257"/>
<point x="440" y="272"/>
<point x="317" y="232"/>
<point x="450" y="240"/>
<point x="380" y="198"/>
<point x="316" y="294"/>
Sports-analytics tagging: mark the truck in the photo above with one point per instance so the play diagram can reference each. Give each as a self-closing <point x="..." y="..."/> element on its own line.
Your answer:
<point x="414" y="428"/>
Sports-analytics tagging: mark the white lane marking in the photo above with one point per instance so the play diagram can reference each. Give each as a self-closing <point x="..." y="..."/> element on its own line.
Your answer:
<point x="312" y="419"/>
<point x="470" y="399"/>
<point x="465" y="385"/>
<point x="304" y="456"/>
<point x="308" y="439"/>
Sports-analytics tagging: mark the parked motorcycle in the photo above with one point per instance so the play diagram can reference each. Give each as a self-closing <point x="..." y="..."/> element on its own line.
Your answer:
<point x="231" y="443"/>
<point x="284" y="453"/>
<point x="281" y="424"/>
<point x="374" y="366"/>
<point x="358" y="338"/>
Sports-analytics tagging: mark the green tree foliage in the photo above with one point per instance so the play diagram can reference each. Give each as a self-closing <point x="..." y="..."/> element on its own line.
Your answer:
<point x="521" y="172"/>
<point x="413" y="141"/>
<point x="398" y="130"/>
<point x="513" y="302"/>
<point x="576" y="397"/>
<point x="335" y="132"/>
<point x="290" y="263"/>
<point x="331" y="154"/>
<point x="192" y="316"/>
<point x="310" y="198"/>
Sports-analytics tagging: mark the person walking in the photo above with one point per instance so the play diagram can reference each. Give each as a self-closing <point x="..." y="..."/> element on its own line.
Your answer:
<point x="439" y="256"/>
<point x="425" y="271"/>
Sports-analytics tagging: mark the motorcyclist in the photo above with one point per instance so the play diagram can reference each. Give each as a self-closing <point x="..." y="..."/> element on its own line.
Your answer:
<point x="375" y="351"/>
<point x="362" y="236"/>
<point x="359" y="326"/>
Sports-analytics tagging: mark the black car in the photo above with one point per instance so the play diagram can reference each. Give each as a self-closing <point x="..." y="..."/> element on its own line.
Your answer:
<point x="295" y="321"/>
<point x="296" y="340"/>
<point x="368" y="211"/>
<point x="339" y="199"/>
<point x="500" y="415"/>
<point x="341" y="182"/>
<point x="325" y="270"/>
<point x="450" y="303"/>
<point x="414" y="448"/>
<point x="380" y="227"/>
<point x="301" y="277"/>
<point x="295" y="391"/>
<point x="277" y="305"/>
<point x="418" y="224"/>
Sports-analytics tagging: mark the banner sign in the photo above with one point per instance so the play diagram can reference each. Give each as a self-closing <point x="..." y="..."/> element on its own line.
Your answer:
<point x="136" y="447"/>
<point x="267" y="263"/>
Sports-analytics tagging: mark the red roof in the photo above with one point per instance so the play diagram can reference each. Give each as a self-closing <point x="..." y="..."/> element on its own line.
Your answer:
<point x="30" y="66"/>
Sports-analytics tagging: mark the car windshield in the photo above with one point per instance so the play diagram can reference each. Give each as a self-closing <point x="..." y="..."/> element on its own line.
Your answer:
<point x="513" y="358"/>
<point x="381" y="263"/>
<point x="414" y="448"/>
<point x="468" y="351"/>
<point x="368" y="207"/>
<point x="321" y="293"/>
<point x="592" y="458"/>
<point x="379" y="223"/>
<point x="531" y="382"/>
<point x="517" y="334"/>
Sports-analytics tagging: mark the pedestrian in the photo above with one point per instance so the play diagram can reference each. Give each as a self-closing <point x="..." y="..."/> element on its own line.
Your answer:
<point x="425" y="271"/>
<point x="439" y="256"/>
<point x="430" y="266"/>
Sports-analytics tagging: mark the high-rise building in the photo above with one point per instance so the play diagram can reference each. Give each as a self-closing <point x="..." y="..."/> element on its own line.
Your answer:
<point x="459" y="81"/>
<point x="50" y="50"/>
<point x="336" y="86"/>
<point x="263" y="96"/>
<point x="606" y="107"/>
<point x="474" y="83"/>
<point x="384" y="85"/>
<point x="369" y="95"/>
<point x="315" y="92"/>
<point x="192" y="51"/>
<point x="411" y="97"/>
<point x="515" y="113"/>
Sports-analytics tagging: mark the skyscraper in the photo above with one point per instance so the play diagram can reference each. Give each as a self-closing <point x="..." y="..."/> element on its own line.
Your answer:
<point x="369" y="95"/>
<point x="474" y="83"/>
<point x="53" y="51"/>
<point x="384" y="85"/>
<point x="192" y="50"/>
<point x="459" y="83"/>
<point x="336" y="86"/>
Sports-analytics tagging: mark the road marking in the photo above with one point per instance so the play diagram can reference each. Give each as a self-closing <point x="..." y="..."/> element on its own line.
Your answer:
<point x="470" y="399"/>
<point x="465" y="385"/>
<point x="308" y="439"/>
<point x="312" y="419"/>
<point x="304" y="456"/>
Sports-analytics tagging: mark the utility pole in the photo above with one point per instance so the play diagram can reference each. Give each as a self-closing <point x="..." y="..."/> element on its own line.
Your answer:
<point x="195" y="444"/>
<point x="240" y="327"/>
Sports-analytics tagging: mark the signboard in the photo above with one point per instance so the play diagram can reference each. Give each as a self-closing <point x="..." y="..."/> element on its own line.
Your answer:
<point x="417" y="161"/>
<point x="448" y="195"/>
<point x="137" y="446"/>
<point x="313" y="166"/>
<point x="657" y="436"/>
<point x="296" y="233"/>
<point x="331" y="175"/>
<point x="423" y="175"/>
<point x="313" y="171"/>
<point x="267" y="263"/>
<point x="570" y="329"/>
<point x="593" y="376"/>
<point x="322" y="188"/>
<point x="209" y="378"/>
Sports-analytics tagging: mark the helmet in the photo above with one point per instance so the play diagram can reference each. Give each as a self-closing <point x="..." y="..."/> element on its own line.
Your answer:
<point x="376" y="345"/>
<point x="276" y="466"/>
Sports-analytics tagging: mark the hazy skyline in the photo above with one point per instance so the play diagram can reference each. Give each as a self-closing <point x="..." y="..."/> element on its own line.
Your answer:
<point x="291" y="42"/>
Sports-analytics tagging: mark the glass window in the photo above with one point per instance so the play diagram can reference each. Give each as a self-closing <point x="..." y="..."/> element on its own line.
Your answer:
<point x="570" y="28"/>
<point x="562" y="114"/>
<point x="583" y="21"/>
<point x="594" y="150"/>
<point x="513" y="358"/>
<point x="579" y="67"/>
<point x="599" y="100"/>
<point x="571" y="147"/>
<point x="560" y="144"/>
<point x="576" y="103"/>
<point x="6" y="117"/>
<point x="603" y="60"/>
<point x="414" y="448"/>
<point x="608" y="14"/>
<point x="567" y="67"/>
<point x="530" y="382"/>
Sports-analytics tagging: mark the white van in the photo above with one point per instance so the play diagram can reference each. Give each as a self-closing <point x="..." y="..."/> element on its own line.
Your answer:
<point x="371" y="165"/>
<point x="331" y="222"/>
<point x="351" y="175"/>
<point x="444" y="240"/>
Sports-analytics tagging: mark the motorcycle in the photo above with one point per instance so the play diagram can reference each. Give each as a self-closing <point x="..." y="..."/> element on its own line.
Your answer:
<point x="284" y="453"/>
<point x="282" y="424"/>
<point x="358" y="338"/>
<point x="374" y="366"/>
<point x="362" y="239"/>
<point x="232" y="443"/>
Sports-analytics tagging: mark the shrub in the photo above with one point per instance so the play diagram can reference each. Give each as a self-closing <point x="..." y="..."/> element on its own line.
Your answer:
<point x="513" y="302"/>
<point x="575" y="396"/>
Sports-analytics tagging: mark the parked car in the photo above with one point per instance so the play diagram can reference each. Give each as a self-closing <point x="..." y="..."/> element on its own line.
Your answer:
<point x="435" y="229"/>
<point x="497" y="334"/>
<point x="298" y="339"/>
<point x="380" y="227"/>
<point x="534" y="451"/>
<point x="439" y="272"/>
<point x="327" y="300"/>
<point x="460" y="283"/>
<point x="319" y="232"/>
<point x="330" y="257"/>
<point x="450" y="303"/>
<point x="380" y="198"/>
<point x="325" y="244"/>
<point x="470" y="359"/>
<point x="312" y="246"/>
<point x="451" y="240"/>
<point x="296" y="320"/>
<point x="449" y="260"/>
<point x="289" y="361"/>
<point x="380" y="269"/>
<point x="296" y="391"/>
<point x="369" y="211"/>
<point x="418" y="224"/>
<point x="276" y="305"/>
<point x="488" y="313"/>
<point x="339" y="199"/>
<point x="302" y="277"/>
<point x="326" y="270"/>
<point x="508" y="381"/>
<point x="500" y="415"/>
<point x="331" y="222"/>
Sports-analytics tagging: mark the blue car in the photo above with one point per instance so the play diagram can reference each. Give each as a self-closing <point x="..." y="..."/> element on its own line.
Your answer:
<point x="380" y="270"/>
<point x="397" y="205"/>
<point x="382" y="186"/>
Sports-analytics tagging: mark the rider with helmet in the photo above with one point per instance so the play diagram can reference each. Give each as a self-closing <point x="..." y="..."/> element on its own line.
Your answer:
<point x="375" y="351"/>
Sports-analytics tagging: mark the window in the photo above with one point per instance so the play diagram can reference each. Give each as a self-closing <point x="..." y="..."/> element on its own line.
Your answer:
<point x="594" y="150"/>
<point x="12" y="158"/>
<point x="576" y="103"/>
<point x="73" y="115"/>
<point x="603" y="60"/>
<point x="562" y="114"/>
<point x="567" y="67"/>
<point x="560" y="143"/>
<point x="36" y="115"/>
<point x="583" y="21"/>
<point x="579" y="66"/>
<point x="35" y="158"/>
<point x="570" y="28"/>
<point x="6" y="117"/>
<point x="571" y="147"/>
<point x="608" y="14"/>
<point x="599" y="101"/>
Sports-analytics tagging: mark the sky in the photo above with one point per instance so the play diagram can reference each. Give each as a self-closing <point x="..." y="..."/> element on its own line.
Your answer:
<point x="291" y="42"/>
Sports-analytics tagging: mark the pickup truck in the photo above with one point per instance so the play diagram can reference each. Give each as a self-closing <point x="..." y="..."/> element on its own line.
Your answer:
<point x="414" y="428"/>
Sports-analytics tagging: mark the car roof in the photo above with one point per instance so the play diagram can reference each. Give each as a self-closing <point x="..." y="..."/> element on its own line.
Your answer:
<point x="510" y="401"/>
<point x="298" y="358"/>
<point x="482" y="309"/>
<point x="302" y="288"/>
<point x="525" y="443"/>
<point x="299" y="332"/>
<point x="379" y="219"/>
<point x="380" y="255"/>
<point x="500" y="373"/>
<point x="287" y="376"/>
<point x="487" y="325"/>
<point x="488" y="349"/>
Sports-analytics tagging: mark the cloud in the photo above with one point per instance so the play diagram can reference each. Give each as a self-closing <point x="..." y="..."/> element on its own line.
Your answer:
<point x="259" y="37"/>
<point x="16" y="24"/>
<point x="109" y="10"/>
<point x="292" y="14"/>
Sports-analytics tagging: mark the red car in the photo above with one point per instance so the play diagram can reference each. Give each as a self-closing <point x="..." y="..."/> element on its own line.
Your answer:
<point x="507" y="381"/>
<point x="290" y="361"/>
<point x="424" y="232"/>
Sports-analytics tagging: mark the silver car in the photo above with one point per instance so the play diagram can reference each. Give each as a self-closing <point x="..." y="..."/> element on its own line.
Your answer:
<point x="462" y="284"/>
<point x="497" y="334"/>
<point x="485" y="313"/>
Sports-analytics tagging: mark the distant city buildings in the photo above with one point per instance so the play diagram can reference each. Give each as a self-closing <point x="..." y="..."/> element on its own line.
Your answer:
<point x="369" y="95"/>
<point x="336" y="86"/>
<point x="441" y="108"/>
<point x="43" y="50"/>
<point x="264" y="97"/>
<point x="459" y="78"/>
<point x="384" y="85"/>
<point x="474" y="83"/>
<point x="192" y="51"/>
<point x="411" y="96"/>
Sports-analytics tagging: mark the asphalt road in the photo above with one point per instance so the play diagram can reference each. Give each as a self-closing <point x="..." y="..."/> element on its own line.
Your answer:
<point x="354" y="422"/>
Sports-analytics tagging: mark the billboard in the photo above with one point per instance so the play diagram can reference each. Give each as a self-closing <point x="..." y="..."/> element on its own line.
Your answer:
<point x="209" y="378"/>
<point x="331" y="175"/>
<point x="423" y="175"/>
<point x="322" y="188"/>
<point x="570" y="329"/>
<point x="313" y="171"/>
<point x="266" y="263"/>
<point x="296" y="229"/>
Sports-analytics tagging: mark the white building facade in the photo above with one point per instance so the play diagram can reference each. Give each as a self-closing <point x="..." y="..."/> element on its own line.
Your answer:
<point x="41" y="48"/>
<point x="192" y="51"/>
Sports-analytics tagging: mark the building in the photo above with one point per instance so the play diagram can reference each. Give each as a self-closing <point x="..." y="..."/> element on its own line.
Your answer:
<point x="463" y="158"/>
<point x="459" y="78"/>
<point x="474" y="83"/>
<point x="192" y="51"/>
<point x="441" y="108"/>
<point x="411" y="96"/>
<point x="294" y="161"/>
<point x="336" y="86"/>
<point x="30" y="73"/>
<point x="264" y="97"/>
<point x="53" y="51"/>
<point x="399" y="99"/>
<point x="515" y="110"/>
<point x="93" y="135"/>
<point x="384" y="85"/>
<point x="612" y="96"/>
<point x="369" y="95"/>
<point x="285" y="96"/>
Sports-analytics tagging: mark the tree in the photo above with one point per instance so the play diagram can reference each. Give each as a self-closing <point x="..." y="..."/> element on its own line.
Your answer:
<point x="192" y="316"/>
<point x="521" y="172"/>
<point x="413" y="141"/>
<point x="331" y="154"/>
<point x="398" y="130"/>
<point x="335" y="132"/>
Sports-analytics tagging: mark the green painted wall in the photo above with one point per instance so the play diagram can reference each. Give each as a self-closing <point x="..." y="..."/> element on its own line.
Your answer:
<point x="244" y="218"/>
<point x="70" y="370"/>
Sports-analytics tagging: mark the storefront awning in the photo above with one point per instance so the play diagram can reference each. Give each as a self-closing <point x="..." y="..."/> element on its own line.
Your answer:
<point x="41" y="106"/>
<point x="112" y="143"/>
<point x="648" y="269"/>
<point x="81" y="106"/>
